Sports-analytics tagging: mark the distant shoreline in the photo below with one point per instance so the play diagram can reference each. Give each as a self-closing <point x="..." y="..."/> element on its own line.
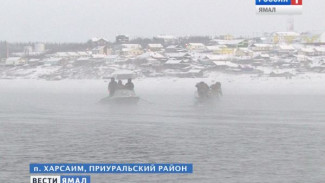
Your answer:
<point x="312" y="84"/>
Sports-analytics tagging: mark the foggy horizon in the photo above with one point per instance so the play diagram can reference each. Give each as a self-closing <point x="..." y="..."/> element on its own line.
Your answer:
<point x="78" y="21"/>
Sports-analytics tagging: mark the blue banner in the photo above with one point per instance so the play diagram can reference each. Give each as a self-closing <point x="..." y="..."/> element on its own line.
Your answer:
<point x="110" y="168"/>
<point x="273" y="2"/>
<point x="75" y="179"/>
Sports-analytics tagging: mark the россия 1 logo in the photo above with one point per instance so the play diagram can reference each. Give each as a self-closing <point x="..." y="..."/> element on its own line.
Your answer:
<point x="270" y="7"/>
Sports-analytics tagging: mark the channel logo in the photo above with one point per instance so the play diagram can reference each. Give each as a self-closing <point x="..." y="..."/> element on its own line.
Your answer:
<point x="60" y="179"/>
<point x="286" y="7"/>
<point x="278" y="2"/>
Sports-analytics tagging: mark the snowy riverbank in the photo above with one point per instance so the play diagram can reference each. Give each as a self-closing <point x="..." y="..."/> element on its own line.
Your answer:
<point x="311" y="84"/>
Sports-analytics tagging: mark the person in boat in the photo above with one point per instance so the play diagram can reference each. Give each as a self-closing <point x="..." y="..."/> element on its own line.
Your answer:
<point x="203" y="89"/>
<point x="120" y="85"/>
<point x="112" y="87"/>
<point x="129" y="85"/>
<point x="216" y="89"/>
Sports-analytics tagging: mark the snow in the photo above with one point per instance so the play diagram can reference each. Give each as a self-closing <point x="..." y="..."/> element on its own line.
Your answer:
<point x="225" y="63"/>
<point x="263" y="45"/>
<point x="52" y="59"/>
<point x="218" y="57"/>
<point x="175" y="55"/>
<point x="13" y="59"/>
<point x="155" y="46"/>
<point x="320" y="49"/>
<point x="230" y="42"/>
<point x="213" y="48"/>
<point x="286" y="47"/>
<point x="173" y="62"/>
<point x="197" y="44"/>
<point x="307" y="50"/>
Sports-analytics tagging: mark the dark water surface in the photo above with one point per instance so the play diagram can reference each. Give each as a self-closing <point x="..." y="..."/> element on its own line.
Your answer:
<point x="271" y="138"/>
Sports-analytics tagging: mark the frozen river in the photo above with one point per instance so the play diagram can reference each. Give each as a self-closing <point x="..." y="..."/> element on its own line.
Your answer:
<point x="243" y="138"/>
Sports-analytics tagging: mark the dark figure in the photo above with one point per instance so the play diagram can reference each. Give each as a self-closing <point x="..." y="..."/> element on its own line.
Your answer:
<point x="112" y="87"/>
<point x="216" y="89"/>
<point x="129" y="85"/>
<point x="203" y="89"/>
<point x="120" y="85"/>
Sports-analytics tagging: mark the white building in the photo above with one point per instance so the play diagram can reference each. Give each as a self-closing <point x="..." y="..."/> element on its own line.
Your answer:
<point x="196" y="46"/>
<point x="155" y="47"/>
<point x="15" y="61"/>
<point x="39" y="47"/>
<point x="322" y="38"/>
<point x="262" y="47"/>
<point x="285" y="37"/>
<point x="131" y="50"/>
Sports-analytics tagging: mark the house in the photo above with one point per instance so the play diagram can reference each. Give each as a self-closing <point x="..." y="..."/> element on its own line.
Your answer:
<point x="174" y="49"/>
<point x="132" y="46"/>
<point x="101" y="50"/>
<point x="233" y="43"/>
<point x="131" y="50"/>
<point x="98" y="42"/>
<point x="322" y="39"/>
<point x="147" y="57"/>
<point x="213" y="49"/>
<point x="217" y="57"/>
<point x="155" y="47"/>
<point x="196" y="47"/>
<point x="262" y="47"/>
<point x="221" y="49"/>
<point x="12" y="61"/>
<point x="39" y="47"/>
<point x="179" y="55"/>
<point x="285" y="37"/>
<point x="283" y="48"/>
<point x="244" y="52"/>
<point x="309" y="38"/>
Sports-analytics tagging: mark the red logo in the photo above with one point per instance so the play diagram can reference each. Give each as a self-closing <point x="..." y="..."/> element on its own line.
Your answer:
<point x="296" y="2"/>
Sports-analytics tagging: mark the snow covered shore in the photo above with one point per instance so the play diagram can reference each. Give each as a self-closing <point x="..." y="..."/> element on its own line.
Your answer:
<point x="311" y="84"/>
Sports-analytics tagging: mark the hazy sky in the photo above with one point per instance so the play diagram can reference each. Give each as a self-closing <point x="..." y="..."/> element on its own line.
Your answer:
<point x="79" y="20"/>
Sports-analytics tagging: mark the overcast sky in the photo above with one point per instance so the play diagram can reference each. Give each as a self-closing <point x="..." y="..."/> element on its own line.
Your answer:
<point x="79" y="20"/>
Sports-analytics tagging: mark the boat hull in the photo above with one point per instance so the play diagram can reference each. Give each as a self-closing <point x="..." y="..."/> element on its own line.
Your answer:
<point x="121" y="97"/>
